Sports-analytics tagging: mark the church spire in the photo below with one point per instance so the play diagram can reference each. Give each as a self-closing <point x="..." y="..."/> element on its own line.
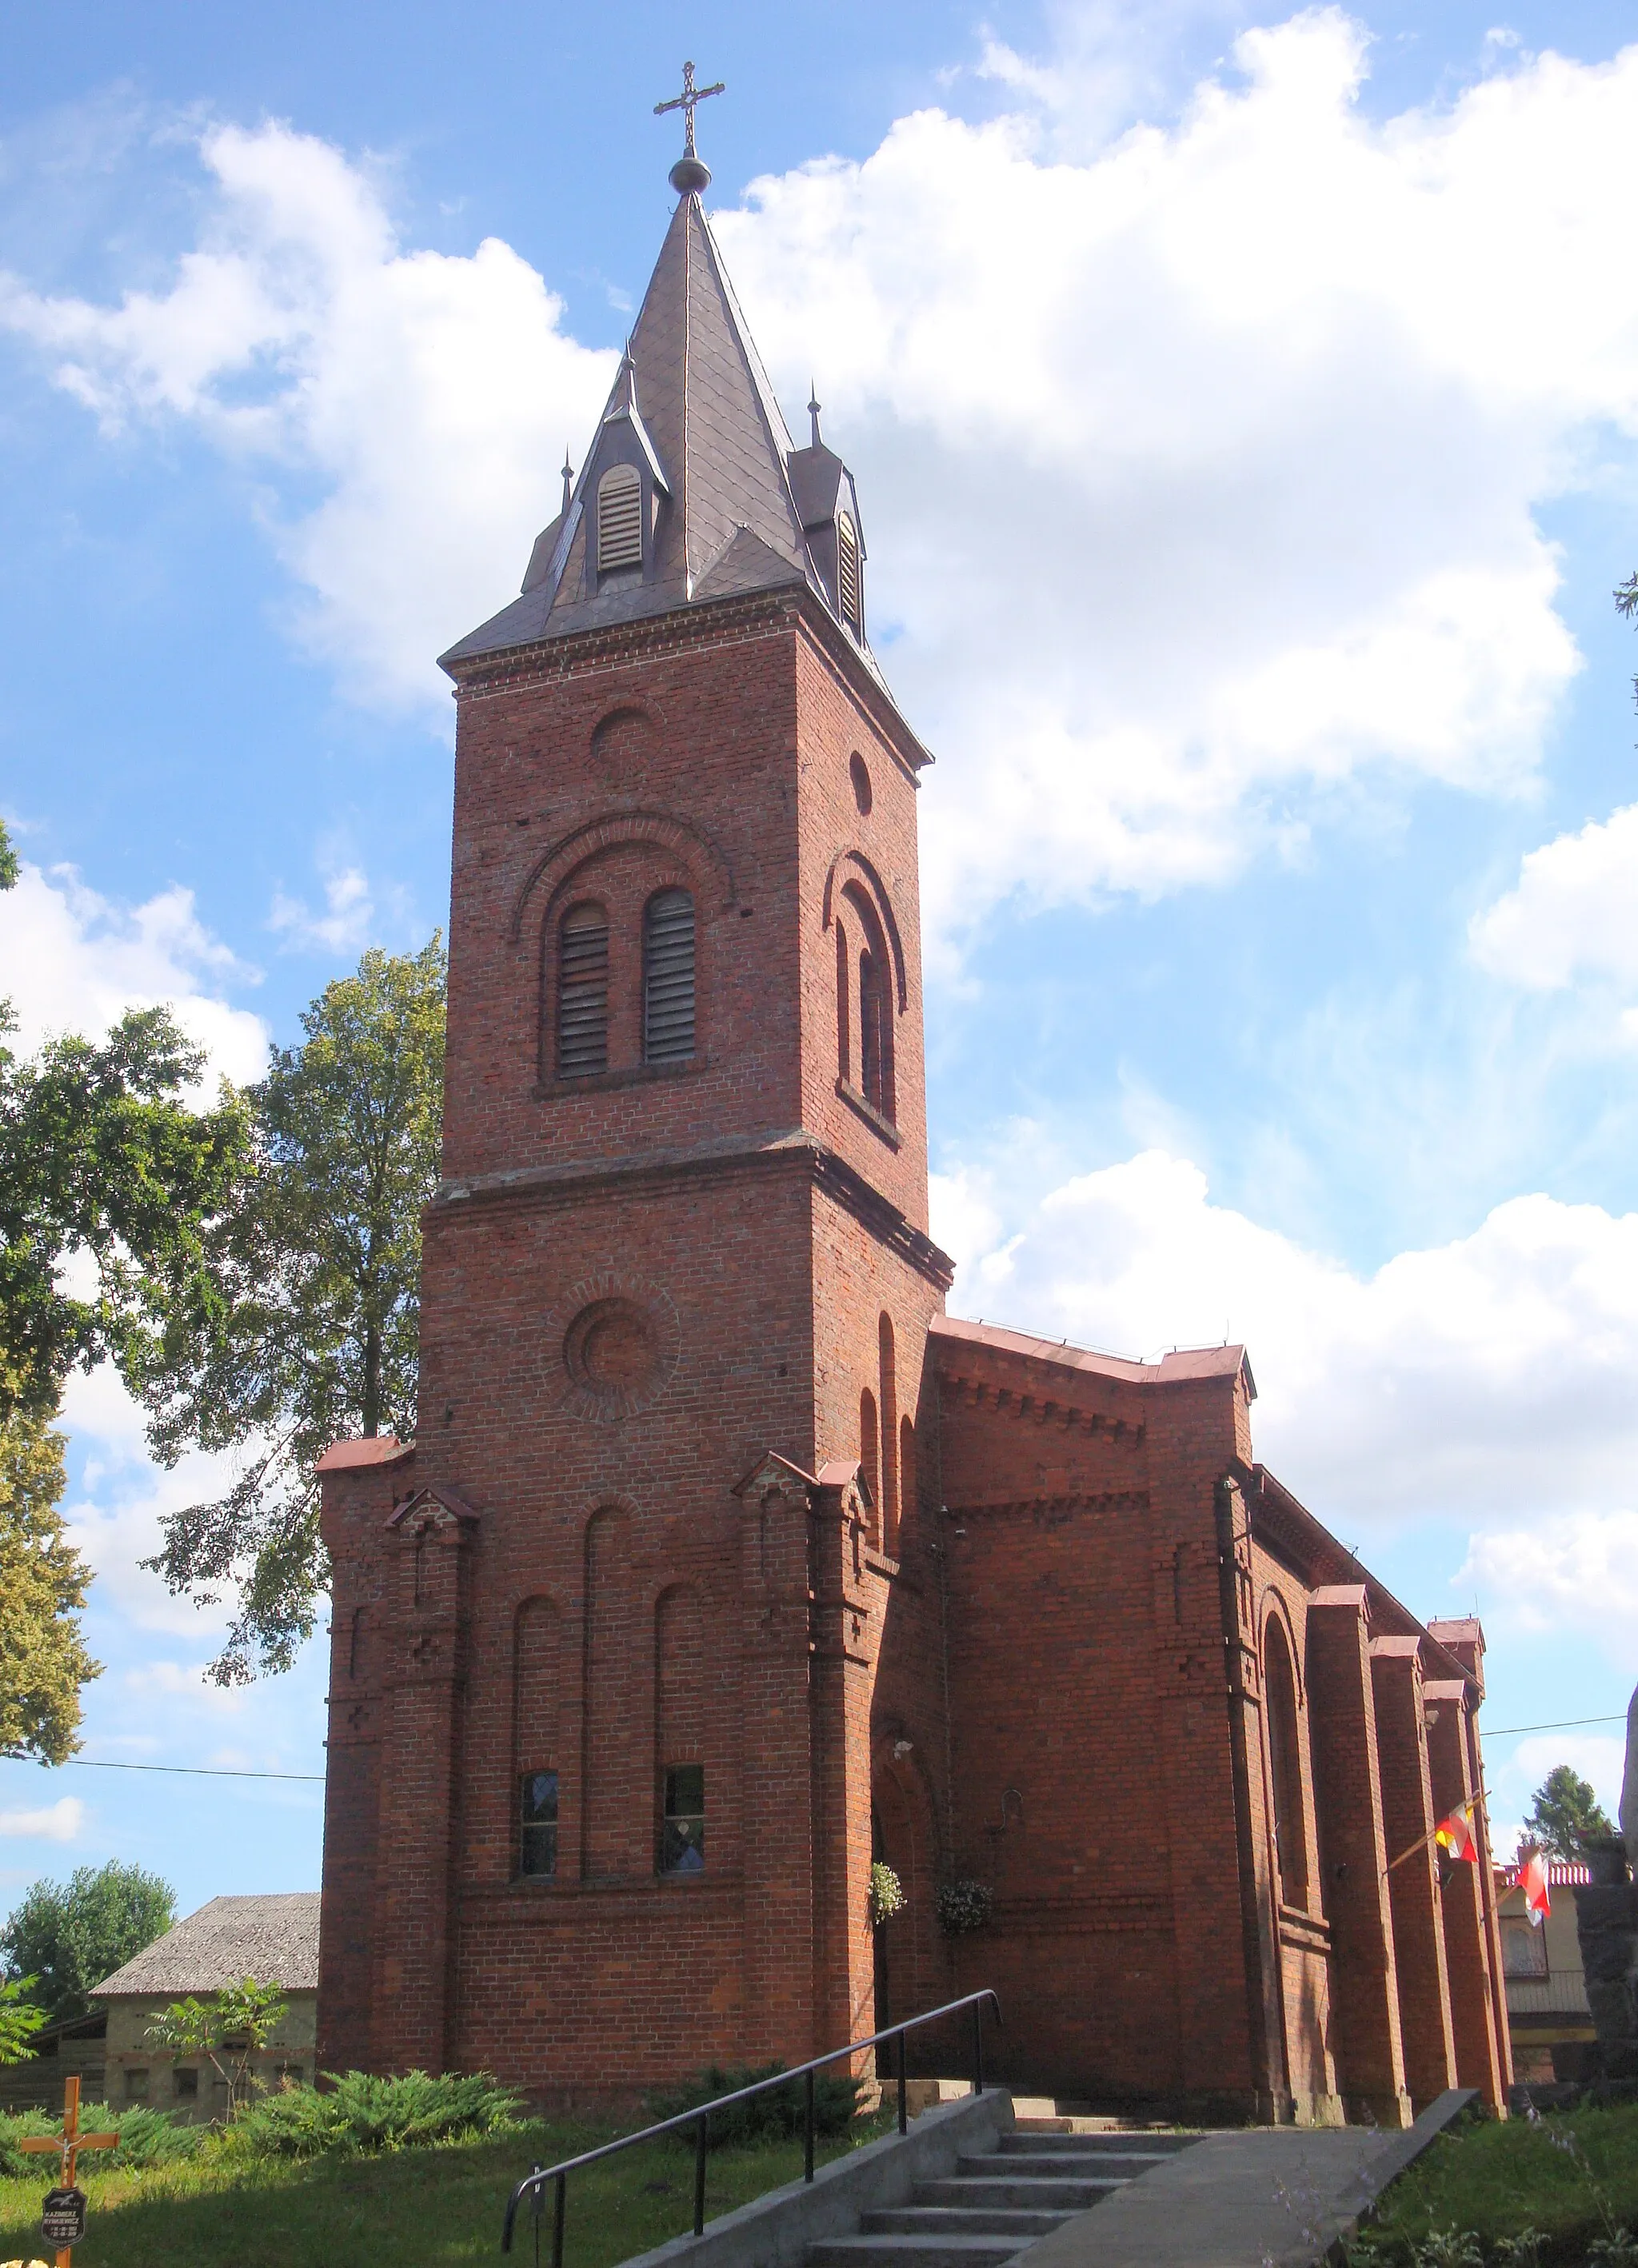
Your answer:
<point x="692" y="489"/>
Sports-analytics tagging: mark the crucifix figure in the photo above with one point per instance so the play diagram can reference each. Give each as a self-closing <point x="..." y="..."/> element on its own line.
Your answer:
<point x="689" y="173"/>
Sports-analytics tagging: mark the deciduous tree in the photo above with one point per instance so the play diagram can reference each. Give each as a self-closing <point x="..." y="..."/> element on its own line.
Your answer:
<point x="308" y="1327"/>
<point x="231" y="2029"/>
<point x="43" y="1661"/>
<point x="69" y="1936"/>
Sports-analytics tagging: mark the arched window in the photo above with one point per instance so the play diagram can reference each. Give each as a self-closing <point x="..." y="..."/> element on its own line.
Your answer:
<point x="583" y="991"/>
<point x="889" y="1434"/>
<point x="668" y="977"/>
<point x="537" y="1675"/>
<point x="1285" y="1763"/>
<point x="874" y="1070"/>
<point x="869" y="1455"/>
<point x="847" y="569"/>
<point x="844" y="1020"/>
<point x="619" y="518"/>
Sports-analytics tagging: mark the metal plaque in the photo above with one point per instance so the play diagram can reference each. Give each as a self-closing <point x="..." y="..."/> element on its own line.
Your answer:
<point x="63" y="2216"/>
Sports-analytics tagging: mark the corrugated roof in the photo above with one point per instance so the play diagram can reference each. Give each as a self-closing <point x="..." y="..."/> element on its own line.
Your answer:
<point x="274" y="1938"/>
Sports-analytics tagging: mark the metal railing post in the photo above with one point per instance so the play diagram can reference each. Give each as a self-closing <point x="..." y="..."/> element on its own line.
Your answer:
<point x="977" y="2047"/>
<point x="700" y="2134"/>
<point x="559" y="2207"/>
<point x="535" y="2202"/>
<point x="808" y="2144"/>
<point x="903" y="2110"/>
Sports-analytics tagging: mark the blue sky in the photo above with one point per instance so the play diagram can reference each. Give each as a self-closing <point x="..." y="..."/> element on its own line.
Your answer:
<point x="1244" y="405"/>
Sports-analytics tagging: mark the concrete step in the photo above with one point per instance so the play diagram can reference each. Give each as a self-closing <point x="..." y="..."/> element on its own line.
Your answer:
<point x="962" y="2220"/>
<point x="1149" y="2149"/>
<point x="1129" y="2165"/>
<point x="1013" y="2191"/>
<point x="1095" y="2134"/>
<point x="930" y="2250"/>
<point x="1024" y="2165"/>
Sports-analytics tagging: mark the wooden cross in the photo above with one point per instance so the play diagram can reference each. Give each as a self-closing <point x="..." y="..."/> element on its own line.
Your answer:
<point x="67" y="2146"/>
<point x="686" y="101"/>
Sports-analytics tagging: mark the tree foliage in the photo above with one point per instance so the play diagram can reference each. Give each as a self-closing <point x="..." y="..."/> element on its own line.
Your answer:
<point x="105" y="1172"/>
<point x="69" y="1936"/>
<point x="20" y="2018"/>
<point x="1563" y="1809"/>
<point x="304" y="1326"/>
<point x="8" y="860"/>
<point x="231" y="2029"/>
<point x="43" y="1661"/>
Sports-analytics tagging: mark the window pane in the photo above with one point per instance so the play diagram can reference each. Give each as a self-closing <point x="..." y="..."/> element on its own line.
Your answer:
<point x="537" y="1804"/>
<point x="186" y="2081"/>
<point x="683" y="1829"/>
<point x="1524" y="1949"/>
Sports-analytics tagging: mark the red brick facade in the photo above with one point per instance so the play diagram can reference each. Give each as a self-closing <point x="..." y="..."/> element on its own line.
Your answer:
<point x="705" y="1482"/>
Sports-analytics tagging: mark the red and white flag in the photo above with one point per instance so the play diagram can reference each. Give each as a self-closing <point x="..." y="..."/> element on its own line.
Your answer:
<point x="1455" y="1834"/>
<point x="1532" y="1880"/>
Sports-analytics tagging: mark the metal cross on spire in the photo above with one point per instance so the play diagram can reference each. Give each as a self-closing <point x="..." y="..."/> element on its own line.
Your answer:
<point x="690" y="171"/>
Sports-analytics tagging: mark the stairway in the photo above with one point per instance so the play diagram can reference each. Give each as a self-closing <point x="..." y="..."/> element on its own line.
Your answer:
<point x="991" y="2207"/>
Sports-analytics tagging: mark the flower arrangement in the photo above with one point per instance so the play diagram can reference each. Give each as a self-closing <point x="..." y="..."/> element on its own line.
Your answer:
<point x="964" y="1905"/>
<point x="886" y="1892"/>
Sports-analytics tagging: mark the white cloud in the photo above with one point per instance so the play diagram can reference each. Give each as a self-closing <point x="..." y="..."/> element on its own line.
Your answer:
<point x="188" y="1681"/>
<point x="57" y="1822"/>
<point x="1512" y="1780"/>
<point x="1477" y="1380"/>
<point x="344" y="924"/>
<point x="1200" y="464"/>
<point x="73" y="961"/>
<point x="1576" y="1570"/>
<point x="431" y="395"/>
<point x="1573" y="913"/>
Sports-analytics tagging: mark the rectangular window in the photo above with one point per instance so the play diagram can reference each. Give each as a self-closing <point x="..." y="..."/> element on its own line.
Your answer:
<point x="136" y="2084"/>
<point x="187" y="2083"/>
<point x="1524" y="1949"/>
<point x="682" y="1821"/>
<point x="537" y="1810"/>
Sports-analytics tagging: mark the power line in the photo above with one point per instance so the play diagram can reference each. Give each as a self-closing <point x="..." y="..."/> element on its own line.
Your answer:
<point x="192" y="1771"/>
<point x="1560" y="1725"/>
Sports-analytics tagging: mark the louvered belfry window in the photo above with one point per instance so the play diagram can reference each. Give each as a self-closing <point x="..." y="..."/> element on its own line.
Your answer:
<point x="583" y="992"/>
<point x="847" y="568"/>
<point x="619" y="518"/>
<point x="668" y="977"/>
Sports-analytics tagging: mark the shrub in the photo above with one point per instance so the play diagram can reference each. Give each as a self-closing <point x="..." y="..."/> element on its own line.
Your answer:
<point x="147" y="2137"/>
<point x="359" y="2114"/>
<point x="964" y="1905"/>
<point x="770" y="2117"/>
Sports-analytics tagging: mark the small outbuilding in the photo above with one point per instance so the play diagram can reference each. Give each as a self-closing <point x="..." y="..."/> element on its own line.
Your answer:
<point x="274" y="1938"/>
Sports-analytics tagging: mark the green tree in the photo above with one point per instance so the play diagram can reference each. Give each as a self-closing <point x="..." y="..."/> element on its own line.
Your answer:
<point x="1563" y="1809"/>
<point x="8" y="860"/>
<point x="20" y="2018"/>
<point x="43" y="1661"/>
<point x="69" y="1936"/>
<point x="102" y="1160"/>
<point x="309" y="1329"/>
<point x="231" y="2028"/>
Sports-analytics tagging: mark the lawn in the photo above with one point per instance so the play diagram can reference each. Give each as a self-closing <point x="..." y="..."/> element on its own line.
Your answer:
<point x="1572" y="2176"/>
<point x="220" y="2210"/>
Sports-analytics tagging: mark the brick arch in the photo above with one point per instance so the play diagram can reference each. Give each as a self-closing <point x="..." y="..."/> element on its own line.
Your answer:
<point x="559" y="863"/>
<point x="864" y="875"/>
<point x="1274" y="1608"/>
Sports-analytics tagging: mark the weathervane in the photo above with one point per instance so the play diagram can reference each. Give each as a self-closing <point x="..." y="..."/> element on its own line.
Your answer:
<point x="691" y="172"/>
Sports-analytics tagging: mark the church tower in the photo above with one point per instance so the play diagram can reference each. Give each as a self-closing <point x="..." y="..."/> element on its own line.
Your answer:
<point x="607" y="1636"/>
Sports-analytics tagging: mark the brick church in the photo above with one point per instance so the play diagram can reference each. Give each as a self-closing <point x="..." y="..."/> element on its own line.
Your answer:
<point x="724" y="1560"/>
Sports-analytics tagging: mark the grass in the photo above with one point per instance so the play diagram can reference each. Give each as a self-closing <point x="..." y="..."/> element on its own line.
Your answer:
<point x="224" y="2210"/>
<point x="1572" y="2177"/>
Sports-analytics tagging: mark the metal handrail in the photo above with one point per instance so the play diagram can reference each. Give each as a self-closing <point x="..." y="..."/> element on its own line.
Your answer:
<point x="534" y="2183"/>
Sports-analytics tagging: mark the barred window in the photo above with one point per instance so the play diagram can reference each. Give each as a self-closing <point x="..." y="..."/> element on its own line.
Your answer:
<point x="619" y="518"/>
<point x="537" y="1807"/>
<point x="682" y="1820"/>
<point x="847" y="569"/>
<point x="874" y="1033"/>
<point x="668" y="977"/>
<point x="583" y="991"/>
